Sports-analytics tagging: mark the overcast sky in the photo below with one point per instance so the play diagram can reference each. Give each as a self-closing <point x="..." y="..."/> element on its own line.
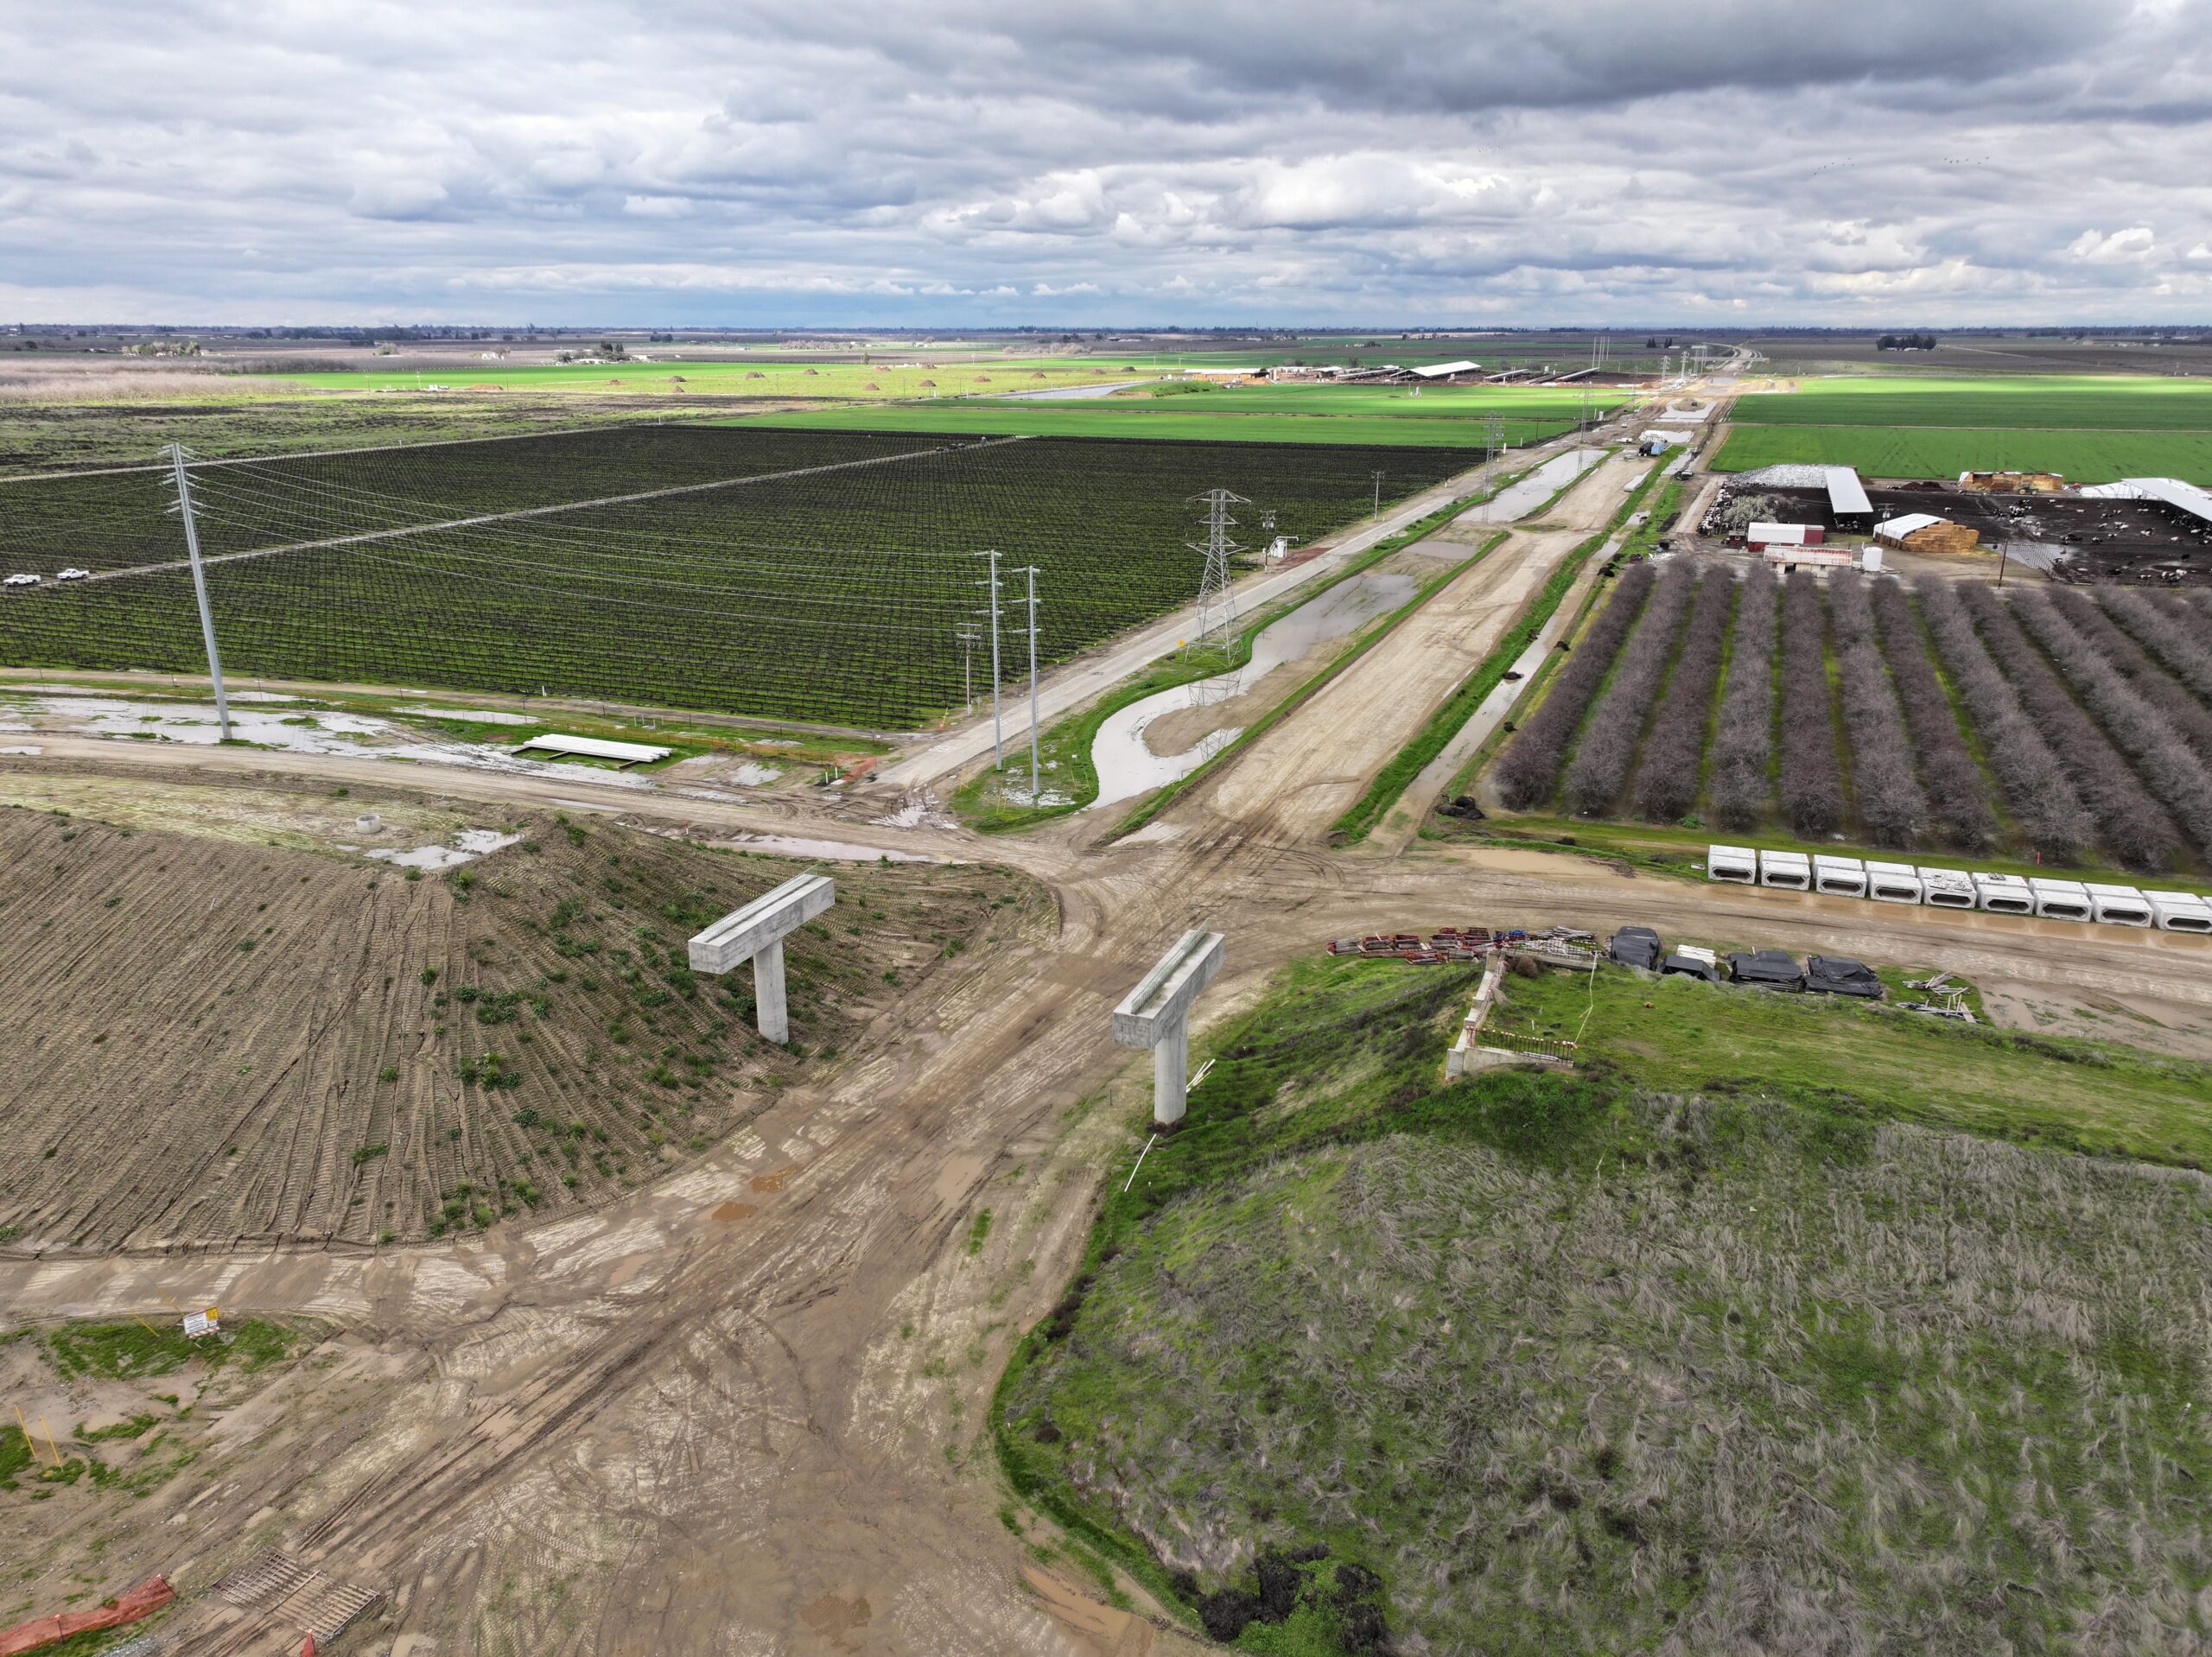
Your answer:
<point x="979" y="162"/>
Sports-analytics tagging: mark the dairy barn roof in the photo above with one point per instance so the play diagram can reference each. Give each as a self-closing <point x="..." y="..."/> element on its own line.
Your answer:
<point x="2172" y="491"/>
<point x="1846" y="493"/>
<point x="1441" y="371"/>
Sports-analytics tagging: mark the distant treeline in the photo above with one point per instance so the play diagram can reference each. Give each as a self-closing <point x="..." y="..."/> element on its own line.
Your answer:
<point x="1905" y="342"/>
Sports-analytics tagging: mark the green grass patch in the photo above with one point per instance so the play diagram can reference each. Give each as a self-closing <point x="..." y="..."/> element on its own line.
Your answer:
<point x="1827" y="1054"/>
<point x="136" y="1351"/>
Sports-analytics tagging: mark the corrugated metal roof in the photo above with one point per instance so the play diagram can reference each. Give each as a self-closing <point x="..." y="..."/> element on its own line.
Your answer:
<point x="2172" y="491"/>
<point x="1845" y="493"/>
<point x="1896" y="528"/>
<point x="1437" y="371"/>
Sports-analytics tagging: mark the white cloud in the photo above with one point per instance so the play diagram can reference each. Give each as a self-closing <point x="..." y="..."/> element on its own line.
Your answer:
<point x="1252" y="160"/>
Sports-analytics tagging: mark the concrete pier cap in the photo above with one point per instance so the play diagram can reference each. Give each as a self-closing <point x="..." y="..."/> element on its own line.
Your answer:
<point x="1157" y="1014"/>
<point x="756" y="933"/>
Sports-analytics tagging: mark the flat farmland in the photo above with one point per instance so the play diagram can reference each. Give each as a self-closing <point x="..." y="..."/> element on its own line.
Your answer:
<point x="836" y="596"/>
<point x="234" y="1026"/>
<point x="2029" y="403"/>
<point x="2089" y="428"/>
<point x="765" y="376"/>
<point x="1937" y="452"/>
<point x="1290" y="414"/>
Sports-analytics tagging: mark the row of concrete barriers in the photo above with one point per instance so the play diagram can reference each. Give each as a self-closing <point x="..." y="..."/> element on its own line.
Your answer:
<point x="1997" y="894"/>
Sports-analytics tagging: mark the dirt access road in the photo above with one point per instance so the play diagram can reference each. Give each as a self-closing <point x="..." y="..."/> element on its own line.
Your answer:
<point x="740" y="1413"/>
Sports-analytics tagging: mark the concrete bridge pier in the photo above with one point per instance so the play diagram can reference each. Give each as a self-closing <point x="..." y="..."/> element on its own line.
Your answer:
<point x="1157" y="1014"/>
<point x="756" y="933"/>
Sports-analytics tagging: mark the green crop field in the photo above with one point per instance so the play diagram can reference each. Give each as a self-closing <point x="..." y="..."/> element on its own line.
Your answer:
<point x="1735" y="1318"/>
<point x="676" y="376"/>
<point x="2090" y="428"/>
<point x="1272" y="416"/>
<point x="2036" y="402"/>
<point x="1926" y="452"/>
<point x="831" y="587"/>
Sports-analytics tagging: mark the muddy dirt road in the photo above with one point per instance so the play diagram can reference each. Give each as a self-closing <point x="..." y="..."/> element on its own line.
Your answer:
<point x="741" y="1412"/>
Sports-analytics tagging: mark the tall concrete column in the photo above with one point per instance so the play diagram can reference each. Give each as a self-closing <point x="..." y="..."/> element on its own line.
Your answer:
<point x="1171" y="1073"/>
<point x="1157" y="1014"/>
<point x="770" y="1010"/>
<point x="756" y="933"/>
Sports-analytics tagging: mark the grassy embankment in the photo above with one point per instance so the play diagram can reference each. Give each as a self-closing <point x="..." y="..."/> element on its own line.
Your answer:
<point x="1733" y="1340"/>
<point x="2090" y="428"/>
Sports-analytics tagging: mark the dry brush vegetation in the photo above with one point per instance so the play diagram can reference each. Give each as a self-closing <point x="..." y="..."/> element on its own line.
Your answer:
<point x="1570" y="1366"/>
<point x="213" y="1038"/>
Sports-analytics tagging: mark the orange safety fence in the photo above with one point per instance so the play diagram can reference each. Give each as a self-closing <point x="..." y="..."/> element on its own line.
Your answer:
<point x="42" y="1631"/>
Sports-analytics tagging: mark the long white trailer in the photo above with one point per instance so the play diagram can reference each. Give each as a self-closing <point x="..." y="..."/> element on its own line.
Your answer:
<point x="2039" y="897"/>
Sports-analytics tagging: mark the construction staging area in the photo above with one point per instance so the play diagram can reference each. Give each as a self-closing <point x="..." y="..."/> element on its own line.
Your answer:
<point x="719" y="1381"/>
<point x="2087" y="536"/>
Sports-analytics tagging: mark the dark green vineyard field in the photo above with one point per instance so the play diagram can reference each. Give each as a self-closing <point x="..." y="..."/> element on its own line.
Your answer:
<point x="831" y="595"/>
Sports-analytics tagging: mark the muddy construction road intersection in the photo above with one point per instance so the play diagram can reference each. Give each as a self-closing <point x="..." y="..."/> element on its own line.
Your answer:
<point x="740" y="1410"/>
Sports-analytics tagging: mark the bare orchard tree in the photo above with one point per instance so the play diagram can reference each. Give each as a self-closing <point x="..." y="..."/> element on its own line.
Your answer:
<point x="1666" y="781"/>
<point x="1529" y="772"/>
<point x="2134" y="825"/>
<point x="2035" y="781"/>
<point x="1892" y="806"/>
<point x="1745" y="742"/>
<point x="1608" y="745"/>
<point x="1812" y="776"/>
<point x="1958" y="791"/>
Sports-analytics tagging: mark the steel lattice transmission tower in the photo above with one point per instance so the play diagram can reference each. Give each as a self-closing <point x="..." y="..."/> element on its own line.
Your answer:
<point x="1216" y="603"/>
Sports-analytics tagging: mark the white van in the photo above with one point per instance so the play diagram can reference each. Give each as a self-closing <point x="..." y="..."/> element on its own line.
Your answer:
<point x="1791" y="871"/>
<point x="1895" y="883"/>
<point x="2003" y="894"/>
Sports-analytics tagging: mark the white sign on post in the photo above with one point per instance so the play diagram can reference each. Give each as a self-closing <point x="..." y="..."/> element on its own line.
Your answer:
<point x="197" y="1324"/>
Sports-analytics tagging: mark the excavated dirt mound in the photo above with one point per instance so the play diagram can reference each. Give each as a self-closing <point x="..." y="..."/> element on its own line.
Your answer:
<point x="246" y="1029"/>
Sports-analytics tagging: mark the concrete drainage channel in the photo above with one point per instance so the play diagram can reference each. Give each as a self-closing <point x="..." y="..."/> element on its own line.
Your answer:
<point x="1937" y="888"/>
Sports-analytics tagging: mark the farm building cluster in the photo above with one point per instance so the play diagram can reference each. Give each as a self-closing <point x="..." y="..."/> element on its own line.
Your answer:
<point x="2139" y="530"/>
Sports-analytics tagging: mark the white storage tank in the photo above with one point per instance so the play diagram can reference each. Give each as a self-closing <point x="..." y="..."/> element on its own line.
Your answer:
<point x="2004" y="894"/>
<point x="2180" y="911"/>
<point x="2119" y="905"/>
<point x="1791" y="871"/>
<point x="1948" y="889"/>
<point x="1839" y="877"/>
<point x="1738" y="863"/>
<point x="1895" y="883"/>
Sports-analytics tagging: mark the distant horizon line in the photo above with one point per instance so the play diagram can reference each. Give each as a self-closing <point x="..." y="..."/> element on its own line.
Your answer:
<point x="1397" y="331"/>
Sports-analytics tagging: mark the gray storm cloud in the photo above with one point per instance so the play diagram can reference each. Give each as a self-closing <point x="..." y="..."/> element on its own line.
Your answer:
<point x="1123" y="160"/>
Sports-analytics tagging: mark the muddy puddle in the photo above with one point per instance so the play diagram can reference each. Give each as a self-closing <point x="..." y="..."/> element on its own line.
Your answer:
<point x="1126" y="763"/>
